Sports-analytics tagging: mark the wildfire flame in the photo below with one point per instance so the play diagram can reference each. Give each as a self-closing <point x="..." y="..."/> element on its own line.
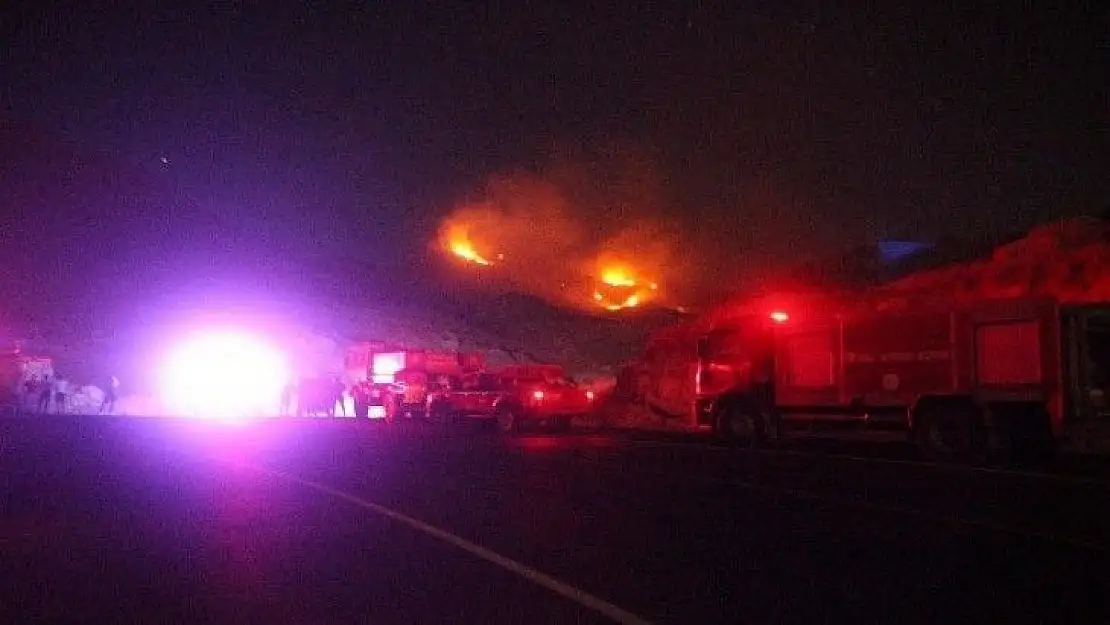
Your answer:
<point x="626" y="288"/>
<point x="617" y="276"/>
<point x="536" y="248"/>
<point x="466" y="251"/>
<point x="457" y="240"/>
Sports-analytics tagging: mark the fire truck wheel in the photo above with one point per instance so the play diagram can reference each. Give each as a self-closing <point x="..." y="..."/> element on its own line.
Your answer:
<point x="439" y="414"/>
<point x="742" y="422"/>
<point x="508" y="420"/>
<point x="948" y="431"/>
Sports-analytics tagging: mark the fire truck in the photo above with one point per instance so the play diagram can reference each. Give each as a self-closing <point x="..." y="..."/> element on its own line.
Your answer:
<point x="514" y="398"/>
<point x="389" y="381"/>
<point x="16" y="368"/>
<point x="957" y="381"/>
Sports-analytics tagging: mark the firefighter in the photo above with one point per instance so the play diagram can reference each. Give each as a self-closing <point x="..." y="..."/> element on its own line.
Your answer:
<point x="110" y="393"/>
<point x="30" y="390"/>
<point x="45" y="389"/>
<point x="61" y="393"/>
<point x="361" y="397"/>
<point x="287" y="393"/>
<point x="338" y="389"/>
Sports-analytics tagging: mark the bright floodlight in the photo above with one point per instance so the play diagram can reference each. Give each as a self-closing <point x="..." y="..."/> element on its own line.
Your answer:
<point x="224" y="374"/>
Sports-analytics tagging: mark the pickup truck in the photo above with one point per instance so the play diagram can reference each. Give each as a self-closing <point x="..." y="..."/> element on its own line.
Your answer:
<point x="511" y="402"/>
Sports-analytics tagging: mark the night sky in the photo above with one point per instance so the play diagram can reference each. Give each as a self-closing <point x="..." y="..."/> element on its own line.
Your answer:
<point x="268" y="141"/>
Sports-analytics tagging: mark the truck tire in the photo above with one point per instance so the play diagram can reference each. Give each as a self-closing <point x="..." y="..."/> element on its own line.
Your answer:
<point x="1021" y="432"/>
<point x="949" y="431"/>
<point x="391" y="409"/>
<point x="741" y="421"/>
<point x="438" y="413"/>
<point x="563" y="423"/>
<point x="509" y="420"/>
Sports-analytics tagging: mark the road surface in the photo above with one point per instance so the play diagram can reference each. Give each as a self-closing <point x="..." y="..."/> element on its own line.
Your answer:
<point x="109" y="520"/>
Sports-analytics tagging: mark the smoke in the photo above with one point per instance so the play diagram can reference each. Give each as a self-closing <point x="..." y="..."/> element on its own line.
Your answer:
<point x="556" y="233"/>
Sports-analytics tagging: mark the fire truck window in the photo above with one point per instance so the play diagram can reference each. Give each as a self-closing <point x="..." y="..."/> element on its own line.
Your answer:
<point x="1098" y="355"/>
<point x="1008" y="353"/>
<point x="724" y="343"/>
<point x="445" y="382"/>
<point x="482" y="382"/>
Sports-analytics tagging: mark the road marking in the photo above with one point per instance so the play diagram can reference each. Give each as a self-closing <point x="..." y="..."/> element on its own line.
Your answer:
<point x="874" y="507"/>
<point x="581" y="597"/>
<point x="1052" y="477"/>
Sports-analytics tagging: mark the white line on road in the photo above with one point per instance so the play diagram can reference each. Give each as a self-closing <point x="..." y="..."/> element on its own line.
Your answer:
<point x="1052" y="477"/>
<point x="581" y="597"/>
<point x="860" y="504"/>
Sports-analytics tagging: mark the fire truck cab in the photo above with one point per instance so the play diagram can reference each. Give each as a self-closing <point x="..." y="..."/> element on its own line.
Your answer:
<point x="16" y="369"/>
<point x="514" y="398"/>
<point x="387" y="381"/>
<point x="957" y="381"/>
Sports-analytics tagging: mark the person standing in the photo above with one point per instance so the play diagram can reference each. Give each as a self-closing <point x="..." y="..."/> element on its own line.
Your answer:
<point x="338" y="389"/>
<point x="29" y="389"/>
<point x="287" y="393"/>
<point x="110" y="394"/>
<point x="61" y="393"/>
<point x="45" y="390"/>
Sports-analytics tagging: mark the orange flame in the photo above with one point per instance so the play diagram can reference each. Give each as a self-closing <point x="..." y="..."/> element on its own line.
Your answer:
<point x="546" y="254"/>
<point x="457" y="241"/>
<point x="466" y="251"/>
<point x="626" y="288"/>
<point x="617" y="276"/>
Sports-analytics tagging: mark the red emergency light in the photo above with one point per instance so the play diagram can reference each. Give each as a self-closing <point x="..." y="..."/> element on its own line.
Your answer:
<point x="779" y="317"/>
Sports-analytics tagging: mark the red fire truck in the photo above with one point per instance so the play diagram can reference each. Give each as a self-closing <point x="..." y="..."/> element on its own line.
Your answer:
<point x="514" y="398"/>
<point x="397" y="380"/>
<point x="15" y="369"/>
<point x="956" y="381"/>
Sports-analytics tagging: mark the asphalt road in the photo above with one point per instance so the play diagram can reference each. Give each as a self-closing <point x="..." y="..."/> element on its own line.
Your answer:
<point x="109" y="520"/>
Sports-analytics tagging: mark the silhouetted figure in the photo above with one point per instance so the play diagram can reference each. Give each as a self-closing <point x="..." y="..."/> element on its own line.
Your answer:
<point x="29" y="389"/>
<point x="313" y="397"/>
<point x="287" y="392"/>
<point x="61" y="392"/>
<point x="45" y="388"/>
<point x="110" y="393"/>
<point x="337" y="390"/>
